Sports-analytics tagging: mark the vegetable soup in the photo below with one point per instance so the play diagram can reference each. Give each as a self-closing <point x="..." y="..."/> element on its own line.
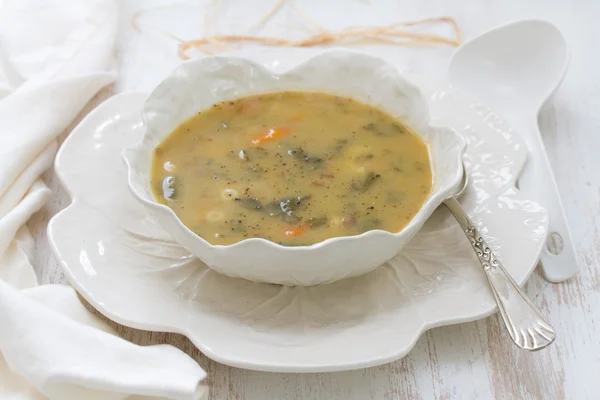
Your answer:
<point x="295" y="168"/>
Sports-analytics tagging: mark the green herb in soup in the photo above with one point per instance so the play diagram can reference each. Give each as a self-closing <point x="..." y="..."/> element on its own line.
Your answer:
<point x="292" y="167"/>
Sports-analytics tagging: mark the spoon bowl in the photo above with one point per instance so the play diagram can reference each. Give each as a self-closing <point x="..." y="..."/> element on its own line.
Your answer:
<point x="512" y="67"/>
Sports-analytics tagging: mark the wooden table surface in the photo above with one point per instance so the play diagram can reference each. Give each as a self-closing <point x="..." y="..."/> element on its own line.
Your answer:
<point x="472" y="360"/>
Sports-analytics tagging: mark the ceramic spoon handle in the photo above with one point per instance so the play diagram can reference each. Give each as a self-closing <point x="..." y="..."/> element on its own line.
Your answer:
<point x="525" y="323"/>
<point x="537" y="183"/>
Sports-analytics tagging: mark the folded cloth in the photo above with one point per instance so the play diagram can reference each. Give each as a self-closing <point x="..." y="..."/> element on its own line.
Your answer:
<point x="55" y="55"/>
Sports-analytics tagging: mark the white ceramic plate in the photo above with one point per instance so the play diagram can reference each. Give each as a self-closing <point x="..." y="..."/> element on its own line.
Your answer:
<point x="122" y="262"/>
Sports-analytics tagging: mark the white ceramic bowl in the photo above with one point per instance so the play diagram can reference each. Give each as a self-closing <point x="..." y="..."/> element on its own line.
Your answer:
<point x="198" y="84"/>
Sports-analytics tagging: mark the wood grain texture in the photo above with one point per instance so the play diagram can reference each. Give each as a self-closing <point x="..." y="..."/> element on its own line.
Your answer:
<point x="469" y="361"/>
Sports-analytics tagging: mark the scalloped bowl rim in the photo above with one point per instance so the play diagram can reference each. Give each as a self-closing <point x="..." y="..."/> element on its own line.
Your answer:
<point x="434" y="200"/>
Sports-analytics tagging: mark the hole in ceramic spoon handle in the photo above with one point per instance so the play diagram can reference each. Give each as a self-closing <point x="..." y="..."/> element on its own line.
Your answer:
<point x="526" y="325"/>
<point x="555" y="243"/>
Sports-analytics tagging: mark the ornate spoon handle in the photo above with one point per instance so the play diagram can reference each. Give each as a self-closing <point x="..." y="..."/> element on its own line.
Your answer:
<point x="525" y="323"/>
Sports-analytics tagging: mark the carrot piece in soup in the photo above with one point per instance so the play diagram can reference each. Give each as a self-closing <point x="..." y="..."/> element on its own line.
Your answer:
<point x="296" y="230"/>
<point x="271" y="134"/>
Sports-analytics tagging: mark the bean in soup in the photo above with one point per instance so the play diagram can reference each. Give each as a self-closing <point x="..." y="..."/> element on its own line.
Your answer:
<point x="295" y="168"/>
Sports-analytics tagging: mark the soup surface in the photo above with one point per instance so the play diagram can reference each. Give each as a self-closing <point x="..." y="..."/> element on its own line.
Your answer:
<point x="295" y="168"/>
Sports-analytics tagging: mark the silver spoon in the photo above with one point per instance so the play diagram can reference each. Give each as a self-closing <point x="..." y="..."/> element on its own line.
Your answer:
<point x="527" y="327"/>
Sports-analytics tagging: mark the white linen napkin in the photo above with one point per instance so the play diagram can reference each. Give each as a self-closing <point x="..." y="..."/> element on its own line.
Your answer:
<point x="54" y="56"/>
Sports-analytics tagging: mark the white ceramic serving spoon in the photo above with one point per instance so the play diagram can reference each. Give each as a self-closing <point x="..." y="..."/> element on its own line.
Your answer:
<point x="514" y="69"/>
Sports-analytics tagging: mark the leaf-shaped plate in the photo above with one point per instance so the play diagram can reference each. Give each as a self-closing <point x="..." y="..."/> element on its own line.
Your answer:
<point x="125" y="265"/>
